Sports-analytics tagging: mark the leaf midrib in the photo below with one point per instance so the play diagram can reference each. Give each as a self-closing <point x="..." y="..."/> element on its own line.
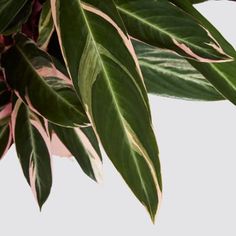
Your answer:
<point x="44" y="83"/>
<point x="116" y="104"/>
<point x="135" y="16"/>
<point x="33" y="155"/>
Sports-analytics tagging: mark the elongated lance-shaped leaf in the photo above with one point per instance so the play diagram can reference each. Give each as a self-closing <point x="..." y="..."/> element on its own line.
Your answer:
<point x="32" y="147"/>
<point x="5" y="114"/>
<point x="46" y="26"/>
<point x="168" y="74"/>
<point x="5" y="93"/>
<point x="222" y="75"/>
<point x="13" y="14"/>
<point x="5" y="138"/>
<point x="104" y="69"/>
<point x="165" y="25"/>
<point x="5" y="129"/>
<point x="83" y="147"/>
<point x="40" y="85"/>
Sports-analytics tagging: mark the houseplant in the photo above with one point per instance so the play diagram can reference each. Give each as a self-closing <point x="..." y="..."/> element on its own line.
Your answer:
<point x="75" y="75"/>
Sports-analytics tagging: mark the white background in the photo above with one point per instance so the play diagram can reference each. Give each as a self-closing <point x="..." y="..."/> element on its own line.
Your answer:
<point x="197" y="144"/>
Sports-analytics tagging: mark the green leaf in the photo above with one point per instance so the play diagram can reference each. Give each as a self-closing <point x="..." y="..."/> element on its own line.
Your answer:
<point x="160" y="23"/>
<point x="45" y="89"/>
<point x="31" y="140"/>
<point x="46" y="26"/>
<point x="5" y="129"/>
<point x="221" y="75"/>
<point x="84" y="147"/>
<point x="168" y="74"/>
<point x="5" y="94"/>
<point x="13" y="14"/>
<point x="5" y="138"/>
<point x="98" y="54"/>
<point x="5" y="113"/>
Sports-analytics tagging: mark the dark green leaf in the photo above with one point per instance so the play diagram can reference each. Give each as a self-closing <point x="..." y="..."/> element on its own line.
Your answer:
<point x="221" y="75"/>
<point x="162" y="24"/>
<point x="13" y="14"/>
<point x="40" y="85"/>
<point x="5" y="113"/>
<point x="46" y="26"/>
<point x="84" y="148"/>
<point x="98" y="52"/>
<point x="5" y="138"/>
<point x="32" y="142"/>
<point x="168" y="74"/>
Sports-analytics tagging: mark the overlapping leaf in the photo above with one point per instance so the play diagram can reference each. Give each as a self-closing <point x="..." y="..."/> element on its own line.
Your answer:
<point x="222" y="75"/>
<point x="13" y="14"/>
<point x="99" y="53"/>
<point x="168" y="74"/>
<point x="40" y="85"/>
<point x="162" y="24"/>
<point x="83" y="145"/>
<point x="32" y="147"/>
<point x="5" y="112"/>
<point x="46" y="26"/>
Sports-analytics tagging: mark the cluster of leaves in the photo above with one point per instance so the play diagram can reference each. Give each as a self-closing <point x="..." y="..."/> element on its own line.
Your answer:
<point x="75" y="74"/>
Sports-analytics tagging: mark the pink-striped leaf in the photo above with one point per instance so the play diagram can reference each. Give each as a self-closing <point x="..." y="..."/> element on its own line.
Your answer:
<point x="5" y="113"/>
<point x="163" y="24"/>
<point x="5" y="129"/>
<point x="40" y="85"/>
<point x="33" y="149"/>
<point x="80" y="143"/>
<point x="105" y="72"/>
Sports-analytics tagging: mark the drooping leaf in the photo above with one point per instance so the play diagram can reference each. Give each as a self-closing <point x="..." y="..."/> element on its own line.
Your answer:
<point x="221" y="75"/>
<point x="5" y="94"/>
<point x="163" y="24"/>
<point x="5" y="113"/>
<point x="32" y="147"/>
<point x="5" y="129"/>
<point x="168" y="74"/>
<point x="5" y="138"/>
<point x="101" y="62"/>
<point x="40" y="85"/>
<point x="82" y="147"/>
<point x="46" y="26"/>
<point x="13" y="14"/>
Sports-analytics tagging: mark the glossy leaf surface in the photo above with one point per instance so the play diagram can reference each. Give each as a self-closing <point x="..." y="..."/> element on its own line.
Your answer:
<point x="45" y="89"/>
<point x="222" y="75"/>
<point x="168" y="74"/>
<point x="46" y="26"/>
<point x="160" y="23"/>
<point x="82" y="147"/>
<point x="32" y="147"/>
<point x="98" y="53"/>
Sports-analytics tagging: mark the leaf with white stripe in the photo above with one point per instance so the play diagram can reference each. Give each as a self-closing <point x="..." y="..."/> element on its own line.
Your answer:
<point x="32" y="147"/>
<point x="220" y="75"/>
<point x="40" y="85"/>
<point x="83" y="145"/>
<point x="105" y="72"/>
<point x="46" y="26"/>
<point x="5" y="129"/>
<point x="165" y="25"/>
<point x="168" y="74"/>
<point x="5" y="113"/>
<point x="5" y="138"/>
